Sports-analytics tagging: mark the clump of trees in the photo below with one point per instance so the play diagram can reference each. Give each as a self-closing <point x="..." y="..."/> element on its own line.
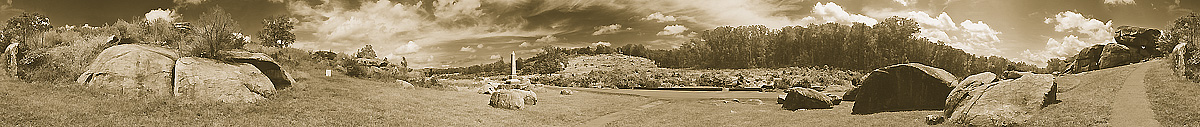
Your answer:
<point x="1185" y="29"/>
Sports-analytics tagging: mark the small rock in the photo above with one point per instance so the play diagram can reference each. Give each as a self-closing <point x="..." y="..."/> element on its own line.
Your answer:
<point x="934" y="119"/>
<point x="566" y="92"/>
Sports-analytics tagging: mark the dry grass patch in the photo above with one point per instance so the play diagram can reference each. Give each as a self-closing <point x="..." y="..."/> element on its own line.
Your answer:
<point x="1175" y="100"/>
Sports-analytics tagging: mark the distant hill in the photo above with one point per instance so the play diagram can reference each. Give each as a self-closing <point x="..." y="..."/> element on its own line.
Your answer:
<point x="580" y="64"/>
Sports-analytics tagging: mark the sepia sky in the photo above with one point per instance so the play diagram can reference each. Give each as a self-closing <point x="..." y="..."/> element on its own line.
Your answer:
<point x="453" y="33"/>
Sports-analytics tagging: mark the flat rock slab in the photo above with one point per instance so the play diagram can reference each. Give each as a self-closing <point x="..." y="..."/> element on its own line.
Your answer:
<point x="200" y="80"/>
<point x="132" y="69"/>
<point x="1005" y="103"/>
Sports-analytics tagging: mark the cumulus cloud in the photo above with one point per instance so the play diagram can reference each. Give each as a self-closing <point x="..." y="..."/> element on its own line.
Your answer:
<point x="904" y="2"/>
<point x="410" y="47"/>
<point x="659" y="17"/>
<point x="610" y="29"/>
<point x="467" y="49"/>
<point x="1083" y="32"/>
<point x="548" y="39"/>
<point x="1119" y="2"/>
<point x="494" y="57"/>
<point x="166" y="15"/>
<point x="673" y="30"/>
<point x="833" y="13"/>
<point x="972" y="37"/>
<point x="335" y="25"/>
<point x="602" y="43"/>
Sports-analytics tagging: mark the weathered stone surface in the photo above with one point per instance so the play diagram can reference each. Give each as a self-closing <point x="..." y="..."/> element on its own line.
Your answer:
<point x="1006" y="103"/>
<point x="1010" y="75"/>
<point x="140" y="70"/>
<point x="804" y="98"/>
<point x="1144" y="41"/>
<point x="279" y="78"/>
<point x="1115" y="55"/>
<point x="964" y="88"/>
<point x="1088" y="59"/>
<point x="902" y="87"/>
<point x="10" y="57"/>
<point x="200" y="80"/>
<point x="510" y="99"/>
<point x="850" y="95"/>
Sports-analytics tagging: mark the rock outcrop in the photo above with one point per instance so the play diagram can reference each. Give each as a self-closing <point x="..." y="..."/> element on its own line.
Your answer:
<point x="963" y="89"/>
<point x="200" y="80"/>
<point x="132" y="69"/>
<point x="804" y="98"/>
<point x="1005" y="103"/>
<point x="1143" y="42"/>
<point x="511" y="99"/>
<point x="1088" y="59"/>
<point x="901" y="87"/>
<point x="264" y="63"/>
<point x="1116" y="55"/>
<point x="10" y="57"/>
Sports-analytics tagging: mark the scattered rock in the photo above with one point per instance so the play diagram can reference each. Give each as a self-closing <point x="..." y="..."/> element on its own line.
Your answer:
<point x="850" y="95"/>
<point x="781" y="99"/>
<point x="206" y="80"/>
<point x="804" y="98"/>
<point x="132" y="69"/>
<point x="753" y="101"/>
<point x="903" y="87"/>
<point x="566" y="92"/>
<point x="1006" y="103"/>
<point x="836" y="99"/>
<point x="934" y="119"/>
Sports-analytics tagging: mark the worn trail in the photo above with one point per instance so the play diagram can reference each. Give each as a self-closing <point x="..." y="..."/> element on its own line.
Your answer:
<point x="1131" y="108"/>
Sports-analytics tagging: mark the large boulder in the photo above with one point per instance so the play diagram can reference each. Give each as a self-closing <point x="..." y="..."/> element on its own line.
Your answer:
<point x="10" y="56"/>
<point x="1142" y="40"/>
<point x="1088" y="59"/>
<point x="964" y="88"/>
<point x="511" y="99"/>
<point x="1005" y="103"/>
<point x="901" y="87"/>
<point x="201" y="80"/>
<point x="279" y="78"/>
<point x="132" y="69"/>
<point x="1116" y="55"/>
<point x="804" y="98"/>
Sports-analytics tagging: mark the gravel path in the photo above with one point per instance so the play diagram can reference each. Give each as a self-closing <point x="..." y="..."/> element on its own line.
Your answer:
<point x="1131" y="107"/>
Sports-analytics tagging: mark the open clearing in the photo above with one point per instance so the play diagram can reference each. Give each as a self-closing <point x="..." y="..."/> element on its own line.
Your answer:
<point x="335" y="101"/>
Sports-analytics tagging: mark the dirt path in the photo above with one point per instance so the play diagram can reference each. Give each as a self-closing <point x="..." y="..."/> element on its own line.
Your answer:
<point x="1131" y="107"/>
<point x="604" y="120"/>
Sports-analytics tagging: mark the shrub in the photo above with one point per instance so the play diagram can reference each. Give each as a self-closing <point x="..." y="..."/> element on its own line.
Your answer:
<point x="216" y="31"/>
<point x="60" y="54"/>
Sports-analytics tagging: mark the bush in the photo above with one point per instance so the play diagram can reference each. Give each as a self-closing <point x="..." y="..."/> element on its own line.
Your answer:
<point x="60" y="54"/>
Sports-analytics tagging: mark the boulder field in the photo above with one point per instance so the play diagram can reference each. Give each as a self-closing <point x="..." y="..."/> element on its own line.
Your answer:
<point x="152" y="71"/>
<point x="1004" y="103"/>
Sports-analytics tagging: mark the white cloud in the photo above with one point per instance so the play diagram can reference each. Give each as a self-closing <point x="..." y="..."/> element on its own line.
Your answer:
<point x="672" y="30"/>
<point x="1120" y="2"/>
<point x="1083" y="32"/>
<point x="467" y="49"/>
<point x="610" y="29"/>
<point x="833" y="13"/>
<point x="602" y="43"/>
<point x="494" y="57"/>
<point x="548" y="39"/>
<point x="166" y="15"/>
<point x="525" y="45"/>
<point x="972" y="37"/>
<point x="659" y="17"/>
<point x="410" y="47"/>
<point x="904" y="2"/>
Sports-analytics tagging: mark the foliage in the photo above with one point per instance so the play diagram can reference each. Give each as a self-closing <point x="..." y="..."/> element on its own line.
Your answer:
<point x="855" y="47"/>
<point x="276" y="32"/>
<point x="20" y="27"/>
<point x="366" y="52"/>
<point x="60" y="54"/>
<point x="549" y="61"/>
<point x="1186" y="29"/>
<point x="217" y="31"/>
